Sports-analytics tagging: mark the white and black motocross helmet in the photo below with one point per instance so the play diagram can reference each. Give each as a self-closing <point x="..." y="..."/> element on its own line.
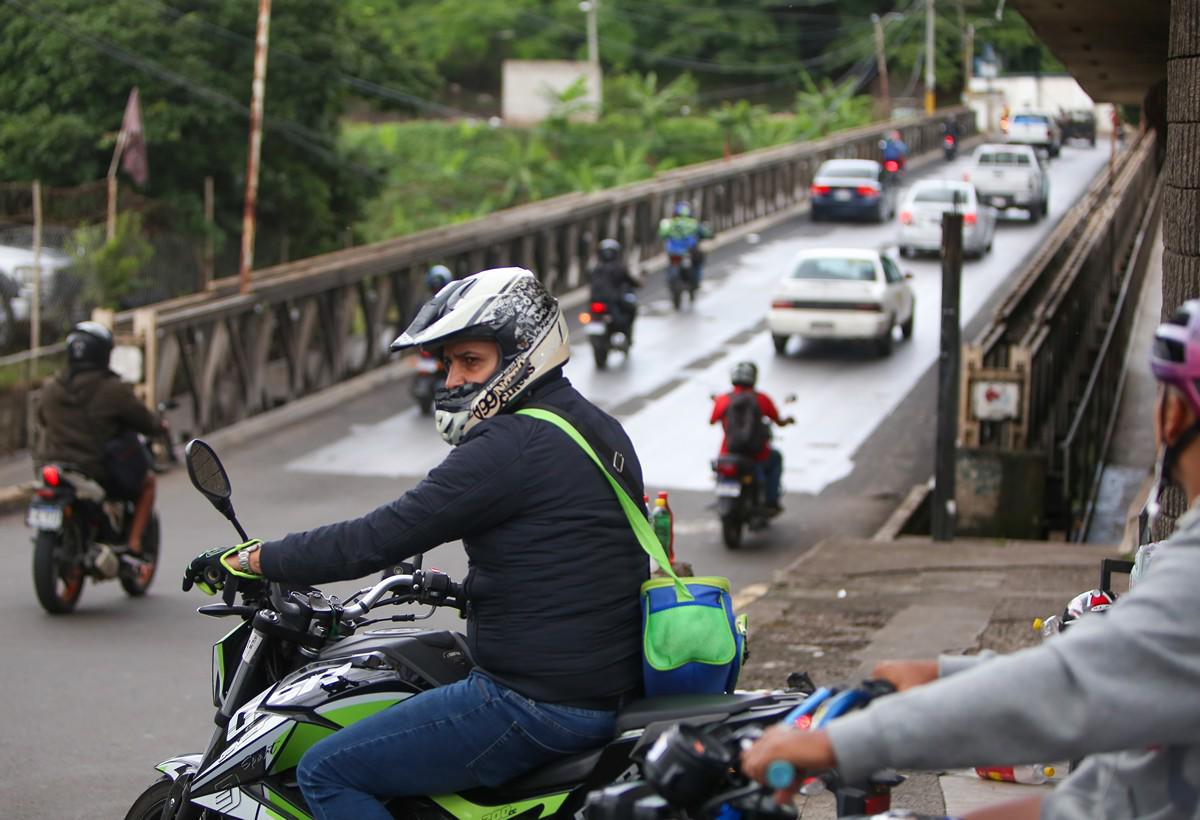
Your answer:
<point x="508" y="306"/>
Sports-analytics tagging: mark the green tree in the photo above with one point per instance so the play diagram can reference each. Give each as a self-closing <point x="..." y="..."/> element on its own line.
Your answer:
<point x="66" y="69"/>
<point x="112" y="272"/>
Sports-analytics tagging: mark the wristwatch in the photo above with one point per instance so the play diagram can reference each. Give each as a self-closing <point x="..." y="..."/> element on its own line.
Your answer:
<point x="244" y="558"/>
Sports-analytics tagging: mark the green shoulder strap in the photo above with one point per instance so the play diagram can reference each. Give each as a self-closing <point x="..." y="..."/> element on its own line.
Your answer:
<point x="637" y="518"/>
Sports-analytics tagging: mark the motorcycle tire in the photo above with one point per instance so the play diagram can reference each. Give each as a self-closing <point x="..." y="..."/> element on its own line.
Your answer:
<point x="58" y="587"/>
<point x="135" y="586"/>
<point x="150" y="803"/>
<point x="731" y="532"/>
<point x="676" y="295"/>
<point x="600" y="354"/>
<point x="425" y="405"/>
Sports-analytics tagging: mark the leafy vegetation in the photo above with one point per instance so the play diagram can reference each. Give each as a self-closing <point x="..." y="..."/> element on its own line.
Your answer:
<point x="448" y="172"/>
<point x="688" y="80"/>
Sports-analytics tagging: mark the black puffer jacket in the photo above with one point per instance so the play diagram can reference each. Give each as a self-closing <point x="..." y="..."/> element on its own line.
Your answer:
<point x="555" y="568"/>
<point x="82" y="412"/>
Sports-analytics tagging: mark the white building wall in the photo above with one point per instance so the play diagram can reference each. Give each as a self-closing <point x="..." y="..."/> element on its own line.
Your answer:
<point x="529" y="88"/>
<point x="1047" y="93"/>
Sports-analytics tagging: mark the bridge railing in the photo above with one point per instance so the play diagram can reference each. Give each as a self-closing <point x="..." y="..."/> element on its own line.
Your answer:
<point x="1059" y="340"/>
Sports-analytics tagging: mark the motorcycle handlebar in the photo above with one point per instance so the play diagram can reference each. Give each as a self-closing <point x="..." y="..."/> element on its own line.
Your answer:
<point x="433" y="588"/>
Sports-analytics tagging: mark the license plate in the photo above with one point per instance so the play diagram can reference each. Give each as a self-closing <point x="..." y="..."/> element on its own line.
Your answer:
<point x="427" y="365"/>
<point x="841" y="196"/>
<point x="825" y="327"/>
<point x="729" y="489"/>
<point x="44" y="517"/>
<point x="998" y="201"/>
<point x="596" y="328"/>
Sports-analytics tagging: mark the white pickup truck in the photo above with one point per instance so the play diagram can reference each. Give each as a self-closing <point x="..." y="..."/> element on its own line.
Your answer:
<point x="1010" y="176"/>
<point x="1036" y="129"/>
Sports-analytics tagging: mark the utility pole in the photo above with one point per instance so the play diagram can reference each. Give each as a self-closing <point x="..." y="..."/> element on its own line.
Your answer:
<point x="258" y="89"/>
<point x="930" y="56"/>
<point x="881" y="65"/>
<point x="593" y="46"/>
<point x="35" y="316"/>
<point x="968" y="58"/>
<point x="945" y="510"/>
<point x="206" y="273"/>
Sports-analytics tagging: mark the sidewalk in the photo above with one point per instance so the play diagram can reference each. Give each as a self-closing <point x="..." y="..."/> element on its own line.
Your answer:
<point x="846" y="603"/>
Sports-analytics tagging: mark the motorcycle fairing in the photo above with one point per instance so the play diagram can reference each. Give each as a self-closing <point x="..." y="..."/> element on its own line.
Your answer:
<point x="274" y="729"/>
<point x="463" y="809"/>
<point x="226" y="654"/>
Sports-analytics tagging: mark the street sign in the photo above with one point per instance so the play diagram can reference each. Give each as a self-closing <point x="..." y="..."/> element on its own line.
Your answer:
<point x="995" y="400"/>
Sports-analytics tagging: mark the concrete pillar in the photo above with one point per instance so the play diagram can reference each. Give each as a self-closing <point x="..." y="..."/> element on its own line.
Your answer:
<point x="1181" y="185"/>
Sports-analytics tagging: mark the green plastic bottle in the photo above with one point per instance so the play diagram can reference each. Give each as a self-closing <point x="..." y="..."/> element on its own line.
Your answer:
<point x="663" y="521"/>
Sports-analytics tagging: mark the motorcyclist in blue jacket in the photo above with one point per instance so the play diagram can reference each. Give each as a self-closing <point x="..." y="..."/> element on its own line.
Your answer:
<point x="554" y="623"/>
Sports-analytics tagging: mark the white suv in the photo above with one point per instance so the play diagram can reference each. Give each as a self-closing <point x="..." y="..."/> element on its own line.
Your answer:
<point x="1036" y="129"/>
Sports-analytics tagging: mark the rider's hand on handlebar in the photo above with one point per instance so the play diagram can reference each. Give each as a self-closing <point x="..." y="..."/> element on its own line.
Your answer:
<point x="906" y="674"/>
<point x="807" y="751"/>
<point x="209" y="570"/>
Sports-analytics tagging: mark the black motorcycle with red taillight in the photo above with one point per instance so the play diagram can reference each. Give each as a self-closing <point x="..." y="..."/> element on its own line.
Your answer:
<point x="80" y="533"/>
<point x="430" y="375"/>
<point x="609" y="326"/>
<point x="740" y="501"/>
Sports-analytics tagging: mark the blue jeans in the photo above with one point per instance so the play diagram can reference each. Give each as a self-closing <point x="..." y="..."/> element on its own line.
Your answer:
<point x="770" y="473"/>
<point x="468" y="734"/>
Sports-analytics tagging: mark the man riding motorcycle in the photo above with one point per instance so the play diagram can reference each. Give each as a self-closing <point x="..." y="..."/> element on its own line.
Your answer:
<point x="612" y="284"/>
<point x="770" y="461"/>
<point x="554" y="624"/>
<point x="1118" y="689"/>
<point x="683" y="233"/>
<point x="893" y="149"/>
<point x="438" y="277"/>
<point x="89" y="417"/>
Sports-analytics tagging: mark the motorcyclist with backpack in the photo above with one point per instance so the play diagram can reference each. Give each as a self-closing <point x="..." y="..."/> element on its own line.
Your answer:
<point x="553" y="625"/>
<point x="744" y="414"/>
<point x="1120" y="690"/>
<point x="90" y="420"/>
<point x="682" y="233"/>
<point x="613" y="284"/>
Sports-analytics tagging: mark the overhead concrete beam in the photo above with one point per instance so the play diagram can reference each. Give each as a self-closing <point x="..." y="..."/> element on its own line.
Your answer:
<point x="1116" y="49"/>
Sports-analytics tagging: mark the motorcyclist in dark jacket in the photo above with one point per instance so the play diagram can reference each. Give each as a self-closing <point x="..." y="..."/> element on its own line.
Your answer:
<point x="613" y="284"/>
<point x="84" y="408"/>
<point x="554" y="567"/>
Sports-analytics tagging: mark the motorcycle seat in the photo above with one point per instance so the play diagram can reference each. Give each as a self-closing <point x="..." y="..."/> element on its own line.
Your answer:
<point x="558" y="776"/>
<point x="642" y="713"/>
<point x="86" y="488"/>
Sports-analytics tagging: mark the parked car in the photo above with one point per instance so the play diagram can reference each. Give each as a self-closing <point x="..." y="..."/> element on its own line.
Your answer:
<point x="1037" y="129"/>
<point x="1010" y="176"/>
<point x="59" y="294"/>
<point x="852" y="188"/>
<point x="842" y="293"/>
<point x="921" y="217"/>
<point x="1079" y="124"/>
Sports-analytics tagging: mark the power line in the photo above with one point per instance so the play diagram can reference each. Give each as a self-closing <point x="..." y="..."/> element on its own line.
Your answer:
<point x="367" y="86"/>
<point x="294" y="132"/>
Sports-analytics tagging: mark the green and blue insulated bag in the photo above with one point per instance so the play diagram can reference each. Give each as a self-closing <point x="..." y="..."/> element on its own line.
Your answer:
<point x="692" y="643"/>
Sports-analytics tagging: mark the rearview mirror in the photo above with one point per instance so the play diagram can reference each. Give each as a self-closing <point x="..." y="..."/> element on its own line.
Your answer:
<point x="206" y="471"/>
<point x="209" y="477"/>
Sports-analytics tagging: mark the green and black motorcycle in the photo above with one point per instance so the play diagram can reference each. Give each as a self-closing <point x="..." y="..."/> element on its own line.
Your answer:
<point x="301" y="665"/>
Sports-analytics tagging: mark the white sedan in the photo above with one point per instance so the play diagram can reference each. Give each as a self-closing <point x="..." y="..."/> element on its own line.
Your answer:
<point x="842" y="294"/>
<point x="921" y="217"/>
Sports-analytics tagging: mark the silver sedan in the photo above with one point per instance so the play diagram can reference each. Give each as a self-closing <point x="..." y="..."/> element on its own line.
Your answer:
<point x="921" y="217"/>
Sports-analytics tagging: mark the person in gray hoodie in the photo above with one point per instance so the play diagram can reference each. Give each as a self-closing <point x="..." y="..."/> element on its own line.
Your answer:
<point x="1122" y="690"/>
